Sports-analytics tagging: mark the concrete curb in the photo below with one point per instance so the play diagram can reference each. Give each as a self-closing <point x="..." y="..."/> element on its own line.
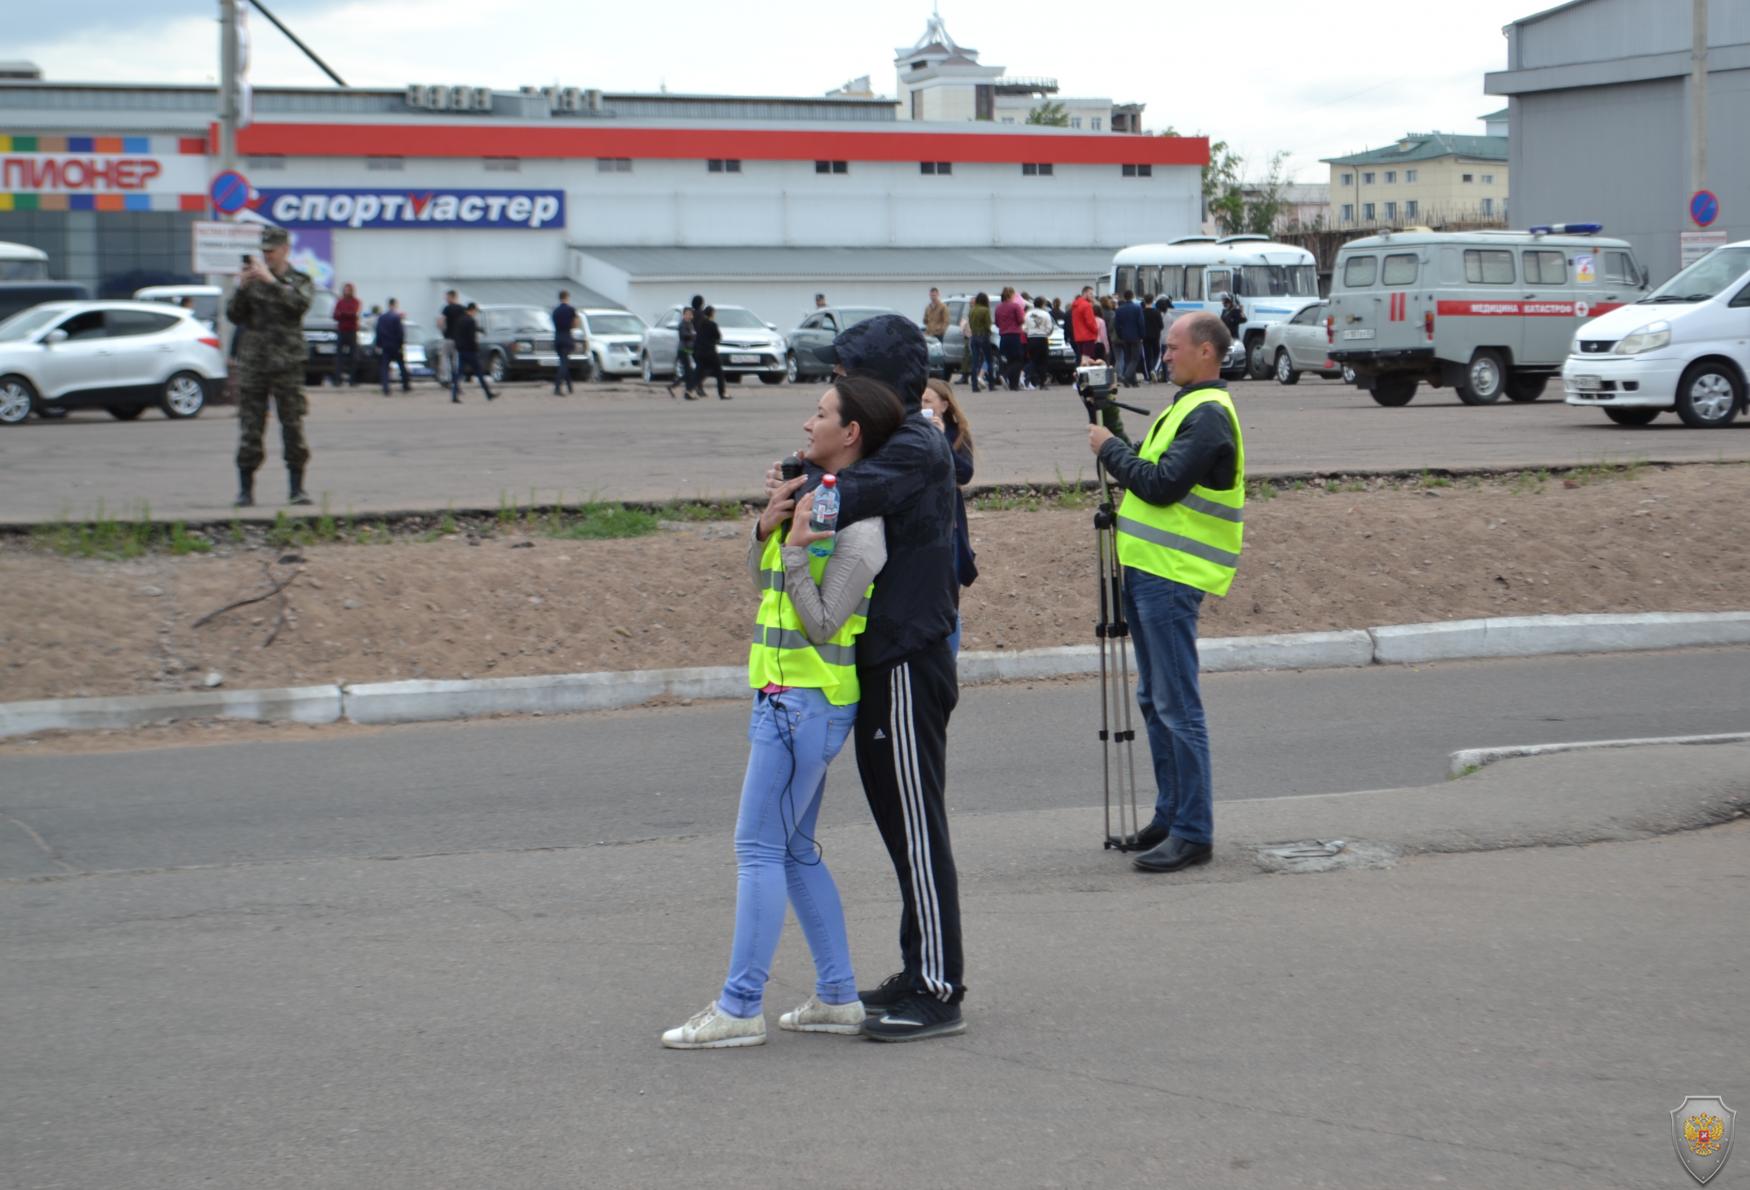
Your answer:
<point x="1468" y="760"/>
<point x="421" y="701"/>
<point x="410" y="702"/>
<point x="295" y="704"/>
<point x="1532" y="636"/>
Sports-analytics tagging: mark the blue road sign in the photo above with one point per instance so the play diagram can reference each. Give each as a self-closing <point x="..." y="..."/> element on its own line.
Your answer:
<point x="229" y="192"/>
<point x="1704" y="207"/>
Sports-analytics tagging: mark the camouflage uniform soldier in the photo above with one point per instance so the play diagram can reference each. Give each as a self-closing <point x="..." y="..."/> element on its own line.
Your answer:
<point x="270" y="301"/>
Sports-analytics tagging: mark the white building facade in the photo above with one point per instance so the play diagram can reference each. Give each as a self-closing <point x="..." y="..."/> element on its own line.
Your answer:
<point x="628" y="204"/>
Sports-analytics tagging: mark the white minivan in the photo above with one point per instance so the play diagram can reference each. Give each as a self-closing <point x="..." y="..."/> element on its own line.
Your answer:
<point x="1685" y="346"/>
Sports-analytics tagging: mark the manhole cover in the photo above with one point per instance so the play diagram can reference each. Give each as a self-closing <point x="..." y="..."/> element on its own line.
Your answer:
<point x="1324" y="855"/>
<point x="1316" y="849"/>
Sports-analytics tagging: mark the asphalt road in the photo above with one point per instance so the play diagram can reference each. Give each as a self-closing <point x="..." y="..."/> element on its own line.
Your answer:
<point x="625" y="776"/>
<point x="345" y="1012"/>
<point x="632" y="442"/>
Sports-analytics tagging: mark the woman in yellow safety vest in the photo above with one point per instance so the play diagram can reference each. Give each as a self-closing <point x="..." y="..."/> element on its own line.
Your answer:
<point x="814" y="596"/>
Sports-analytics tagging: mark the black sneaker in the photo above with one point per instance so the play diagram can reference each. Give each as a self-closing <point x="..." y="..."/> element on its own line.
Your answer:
<point x="893" y="989"/>
<point x="913" y="1019"/>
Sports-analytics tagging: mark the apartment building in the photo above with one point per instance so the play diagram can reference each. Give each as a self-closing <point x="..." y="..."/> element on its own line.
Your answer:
<point x="1432" y="179"/>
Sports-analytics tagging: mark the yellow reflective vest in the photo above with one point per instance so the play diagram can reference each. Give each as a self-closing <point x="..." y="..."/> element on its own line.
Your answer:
<point x="1195" y="541"/>
<point x="782" y="654"/>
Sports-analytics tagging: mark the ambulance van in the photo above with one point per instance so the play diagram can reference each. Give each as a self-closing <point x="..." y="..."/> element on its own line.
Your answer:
<point x="1685" y="346"/>
<point x="1486" y="312"/>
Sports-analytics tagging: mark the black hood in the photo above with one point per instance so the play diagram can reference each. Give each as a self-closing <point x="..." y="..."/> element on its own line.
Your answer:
<point x="890" y="348"/>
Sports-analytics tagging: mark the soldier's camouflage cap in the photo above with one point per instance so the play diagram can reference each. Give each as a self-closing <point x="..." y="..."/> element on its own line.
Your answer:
<point x="889" y="347"/>
<point x="274" y="237"/>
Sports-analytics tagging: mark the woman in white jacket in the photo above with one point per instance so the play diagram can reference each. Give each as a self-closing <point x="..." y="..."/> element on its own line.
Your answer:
<point x="1037" y="328"/>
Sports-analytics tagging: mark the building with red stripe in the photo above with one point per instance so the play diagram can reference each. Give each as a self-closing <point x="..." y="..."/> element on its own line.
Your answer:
<point x="630" y="199"/>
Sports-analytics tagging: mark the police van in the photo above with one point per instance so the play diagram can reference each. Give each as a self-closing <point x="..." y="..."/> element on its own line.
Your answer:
<point x="1487" y="312"/>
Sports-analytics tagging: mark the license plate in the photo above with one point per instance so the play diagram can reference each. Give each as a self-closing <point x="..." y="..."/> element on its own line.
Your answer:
<point x="1590" y="384"/>
<point x="1365" y="332"/>
<point x="324" y="349"/>
<point x="744" y="359"/>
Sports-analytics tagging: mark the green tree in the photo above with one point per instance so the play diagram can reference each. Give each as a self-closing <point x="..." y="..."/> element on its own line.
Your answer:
<point x="1050" y="113"/>
<point x="1225" y="198"/>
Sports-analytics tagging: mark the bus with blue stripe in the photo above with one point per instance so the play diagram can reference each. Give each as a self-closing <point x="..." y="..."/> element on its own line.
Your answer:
<point x="1272" y="282"/>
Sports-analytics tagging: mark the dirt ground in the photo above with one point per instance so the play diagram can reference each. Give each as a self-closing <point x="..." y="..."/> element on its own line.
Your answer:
<point x="1319" y="558"/>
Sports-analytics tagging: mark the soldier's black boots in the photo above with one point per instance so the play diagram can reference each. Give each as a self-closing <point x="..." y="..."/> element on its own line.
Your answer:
<point x="245" y="490"/>
<point x="298" y="494"/>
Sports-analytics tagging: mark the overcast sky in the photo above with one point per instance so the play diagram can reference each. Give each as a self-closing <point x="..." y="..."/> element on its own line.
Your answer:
<point x="1316" y="80"/>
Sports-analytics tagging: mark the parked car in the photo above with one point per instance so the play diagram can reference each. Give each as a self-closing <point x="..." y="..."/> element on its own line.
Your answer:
<point x="1063" y="355"/>
<point x="516" y="343"/>
<point x="1302" y="344"/>
<point x="121" y="356"/>
<point x="615" y="338"/>
<point x="821" y="327"/>
<point x="1683" y="347"/>
<point x="207" y="299"/>
<point x="750" y="347"/>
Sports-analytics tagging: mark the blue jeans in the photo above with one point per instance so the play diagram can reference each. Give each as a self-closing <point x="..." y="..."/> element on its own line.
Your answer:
<point x="794" y="736"/>
<point x="984" y="361"/>
<point x="1163" y="625"/>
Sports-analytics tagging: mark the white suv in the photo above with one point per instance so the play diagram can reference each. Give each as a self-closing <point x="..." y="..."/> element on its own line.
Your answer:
<point x="615" y="338"/>
<point x="121" y="356"/>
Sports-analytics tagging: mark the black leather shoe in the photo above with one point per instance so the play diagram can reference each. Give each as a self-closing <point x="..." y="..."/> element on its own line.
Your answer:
<point x="1146" y="839"/>
<point x="1173" y="856"/>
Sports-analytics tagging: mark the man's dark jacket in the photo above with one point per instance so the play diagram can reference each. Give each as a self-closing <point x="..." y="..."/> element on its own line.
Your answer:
<point x="1128" y="321"/>
<point x="910" y="482"/>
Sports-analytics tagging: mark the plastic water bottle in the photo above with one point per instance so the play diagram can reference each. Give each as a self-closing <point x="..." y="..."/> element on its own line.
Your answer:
<point x="825" y="516"/>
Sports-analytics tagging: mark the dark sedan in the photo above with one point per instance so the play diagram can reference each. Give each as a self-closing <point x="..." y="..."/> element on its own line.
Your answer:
<point x="820" y="328"/>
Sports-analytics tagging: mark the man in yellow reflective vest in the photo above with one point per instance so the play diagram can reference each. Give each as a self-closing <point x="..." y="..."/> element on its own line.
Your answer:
<point x="1179" y="530"/>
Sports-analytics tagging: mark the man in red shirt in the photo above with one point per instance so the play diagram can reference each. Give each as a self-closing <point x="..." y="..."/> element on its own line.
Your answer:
<point x="1084" y="330"/>
<point x="346" y="321"/>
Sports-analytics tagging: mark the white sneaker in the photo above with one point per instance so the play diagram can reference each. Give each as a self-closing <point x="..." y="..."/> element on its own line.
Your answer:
<point x="714" y="1029"/>
<point x="815" y="1017"/>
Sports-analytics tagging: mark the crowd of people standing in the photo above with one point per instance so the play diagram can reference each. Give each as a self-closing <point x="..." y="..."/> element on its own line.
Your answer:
<point x="1008" y="344"/>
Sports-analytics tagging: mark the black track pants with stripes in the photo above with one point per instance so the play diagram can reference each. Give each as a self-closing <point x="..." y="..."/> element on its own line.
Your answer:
<point x="902" y="755"/>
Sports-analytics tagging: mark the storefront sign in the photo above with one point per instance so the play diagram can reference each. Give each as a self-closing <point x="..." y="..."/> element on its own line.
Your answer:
<point x="102" y="173"/>
<point x="527" y="209"/>
<point x="57" y="173"/>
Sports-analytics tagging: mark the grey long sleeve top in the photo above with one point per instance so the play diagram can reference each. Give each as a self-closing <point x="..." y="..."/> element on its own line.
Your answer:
<point x="859" y="552"/>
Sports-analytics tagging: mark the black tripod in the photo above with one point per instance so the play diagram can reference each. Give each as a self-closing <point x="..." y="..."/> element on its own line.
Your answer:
<point x="1117" y="759"/>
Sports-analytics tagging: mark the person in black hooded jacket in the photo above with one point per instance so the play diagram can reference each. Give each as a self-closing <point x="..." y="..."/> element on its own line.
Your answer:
<point x="909" y="684"/>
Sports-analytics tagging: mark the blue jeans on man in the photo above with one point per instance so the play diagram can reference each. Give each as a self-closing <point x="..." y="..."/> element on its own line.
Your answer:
<point x="1163" y="625"/>
<point x="794" y="736"/>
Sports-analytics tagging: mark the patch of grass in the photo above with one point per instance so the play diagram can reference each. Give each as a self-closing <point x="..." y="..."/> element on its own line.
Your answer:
<point x="447" y="525"/>
<point x="182" y="543"/>
<point x="1430" y="480"/>
<point x="696" y="510"/>
<point x="282" y="532"/>
<point x="1602" y="472"/>
<point x="1073" y="493"/>
<point x="1007" y="500"/>
<point x="1260" y="489"/>
<point x="1528" y="482"/>
<point x="597" y="522"/>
